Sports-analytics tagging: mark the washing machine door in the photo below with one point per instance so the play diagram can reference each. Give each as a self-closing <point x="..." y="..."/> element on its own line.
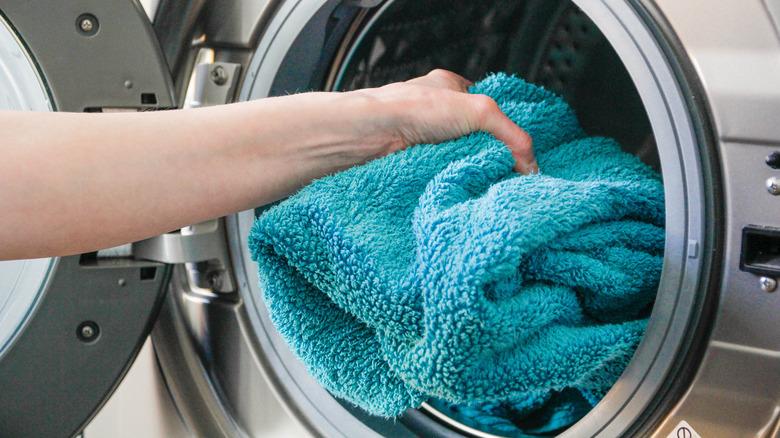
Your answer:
<point x="661" y="74"/>
<point x="70" y="326"/>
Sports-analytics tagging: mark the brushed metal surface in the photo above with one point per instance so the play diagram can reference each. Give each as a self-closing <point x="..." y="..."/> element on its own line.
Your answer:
<point x="140" y="407"/>
<point x="736" y="51"/>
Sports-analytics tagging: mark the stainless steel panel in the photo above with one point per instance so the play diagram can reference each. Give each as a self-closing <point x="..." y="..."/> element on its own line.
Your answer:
<point x="737" y="389"/>
<point x="736" y="50"/>
<point x="236" y="23"/>
<point x="734" y="45"/>
<point x="211" y="367"/>
<point x="748" y="316"/>
<point x="140" y="407"/>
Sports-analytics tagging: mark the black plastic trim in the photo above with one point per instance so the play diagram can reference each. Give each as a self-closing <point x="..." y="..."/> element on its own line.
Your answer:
<point x="760" y="252"/>
<point x="53" y="379"/>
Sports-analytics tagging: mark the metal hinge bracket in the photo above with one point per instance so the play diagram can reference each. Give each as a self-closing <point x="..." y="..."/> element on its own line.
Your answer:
<point x="201" y="244"/>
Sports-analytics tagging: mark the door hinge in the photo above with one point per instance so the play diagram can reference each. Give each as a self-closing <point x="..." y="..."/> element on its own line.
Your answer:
<point x="202" y="247"/>
<point x="215" y="83"/>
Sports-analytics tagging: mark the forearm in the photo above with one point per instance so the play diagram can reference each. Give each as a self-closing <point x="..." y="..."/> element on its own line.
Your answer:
<point x="78" y="182"/>
<point x="73" y="183"/>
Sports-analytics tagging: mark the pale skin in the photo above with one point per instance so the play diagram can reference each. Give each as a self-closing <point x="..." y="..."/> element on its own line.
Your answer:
<point x="73" y="183"/>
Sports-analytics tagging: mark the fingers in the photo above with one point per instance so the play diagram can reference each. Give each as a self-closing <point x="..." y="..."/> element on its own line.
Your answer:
<point x="486" y="116"/>
<point x="443" y="79"/>
<point x="491" y="119"/>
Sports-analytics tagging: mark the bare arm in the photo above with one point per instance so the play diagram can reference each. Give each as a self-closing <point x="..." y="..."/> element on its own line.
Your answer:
<point x="73" y="183"/>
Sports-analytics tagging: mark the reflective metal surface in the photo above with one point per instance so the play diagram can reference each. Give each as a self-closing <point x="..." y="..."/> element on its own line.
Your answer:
<point x="140" y="407"/>
<point x="212" y="369"/>
<point x="246" y="19"/>
<point x="735" y="48"/>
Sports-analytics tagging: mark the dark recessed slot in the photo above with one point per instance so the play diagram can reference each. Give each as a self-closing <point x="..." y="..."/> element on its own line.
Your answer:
<point x="760" y="250"/>
<point x="148" y="99"/>
<point x="148" y="273"/>
<point x="89" y="258"/>
<point x="93" y="109"/>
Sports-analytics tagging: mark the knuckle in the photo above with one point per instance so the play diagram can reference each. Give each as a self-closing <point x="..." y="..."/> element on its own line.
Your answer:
<point x="485" y="105"/>
<point x="439" y="72"/>
<point x="446" y="76"/>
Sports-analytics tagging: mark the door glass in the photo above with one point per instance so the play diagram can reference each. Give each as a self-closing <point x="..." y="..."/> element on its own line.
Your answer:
<point x="21" y="281"/>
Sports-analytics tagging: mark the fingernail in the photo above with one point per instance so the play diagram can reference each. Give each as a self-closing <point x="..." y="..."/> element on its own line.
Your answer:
<point x="533" y="168"/>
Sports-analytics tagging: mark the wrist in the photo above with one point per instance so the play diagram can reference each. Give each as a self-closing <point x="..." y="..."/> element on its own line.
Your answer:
<point x="372" y="122"/>
<point x="324" y="132"/>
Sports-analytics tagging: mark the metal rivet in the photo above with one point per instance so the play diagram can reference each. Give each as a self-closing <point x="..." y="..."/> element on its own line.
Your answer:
<point x="768" y="284"/>
<point x="218" y="75"/>
<point x="128" y="84"/>
<point x="773" y="185"/>
<point x="87" y="331"/>
<point x="121" y="282"/>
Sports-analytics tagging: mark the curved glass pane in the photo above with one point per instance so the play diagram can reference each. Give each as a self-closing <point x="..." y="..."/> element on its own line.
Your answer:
<point x="21" y="281"/>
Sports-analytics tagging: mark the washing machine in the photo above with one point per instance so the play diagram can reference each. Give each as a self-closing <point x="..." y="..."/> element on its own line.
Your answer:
<point x="688" y="86"/>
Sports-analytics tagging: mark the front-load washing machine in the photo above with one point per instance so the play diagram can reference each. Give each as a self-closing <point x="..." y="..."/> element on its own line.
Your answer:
<point x="688" y="86"/>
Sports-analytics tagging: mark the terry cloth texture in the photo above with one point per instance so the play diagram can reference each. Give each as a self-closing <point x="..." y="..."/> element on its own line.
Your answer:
<point x="439" y="273"/>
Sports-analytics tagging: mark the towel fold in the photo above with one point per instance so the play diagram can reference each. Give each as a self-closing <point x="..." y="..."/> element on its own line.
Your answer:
<point x="437" y="273"/>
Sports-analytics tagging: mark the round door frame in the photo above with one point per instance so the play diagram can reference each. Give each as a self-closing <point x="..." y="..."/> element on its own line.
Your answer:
<point x="285" y="58"/>
<point x="689" y="169"/>
<point x="93" y="313"/>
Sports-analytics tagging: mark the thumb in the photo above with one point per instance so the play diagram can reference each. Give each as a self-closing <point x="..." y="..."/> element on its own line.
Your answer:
<point x="490" y="118"/>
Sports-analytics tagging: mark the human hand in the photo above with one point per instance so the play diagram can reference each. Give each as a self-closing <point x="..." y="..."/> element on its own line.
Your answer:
<point x="437" y="107"/>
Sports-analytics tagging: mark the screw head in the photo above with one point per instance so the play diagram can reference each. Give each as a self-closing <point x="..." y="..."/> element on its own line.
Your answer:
<point x="128" y="84"/>
<point x="215" y="281"/>
<point x="87" y="331"/>
<point x="218" y="75"/>
<point x="768" y="284"/>
<point x="87" y="24"/>
<point x="773" y="185"/>
<point x="121" y="282"/>
<point x="773" y="160"/>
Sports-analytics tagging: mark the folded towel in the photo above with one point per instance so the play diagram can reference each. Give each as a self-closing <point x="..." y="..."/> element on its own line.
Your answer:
<point x="439" y="273"/>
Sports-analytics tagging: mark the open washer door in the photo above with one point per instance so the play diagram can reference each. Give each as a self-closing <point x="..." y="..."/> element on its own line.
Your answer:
<point x="70" y="326"/>
<point x="684" y="99"/>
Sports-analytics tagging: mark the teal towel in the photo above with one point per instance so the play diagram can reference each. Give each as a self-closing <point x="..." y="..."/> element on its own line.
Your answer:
<point x="439" y="273"/>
